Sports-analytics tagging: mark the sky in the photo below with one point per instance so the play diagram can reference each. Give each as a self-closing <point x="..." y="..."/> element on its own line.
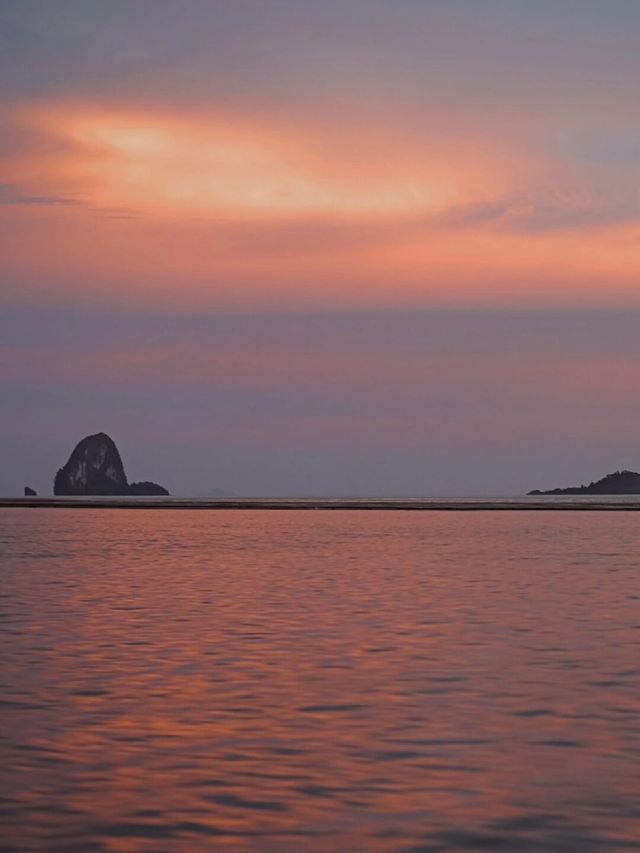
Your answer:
<point x="351" y="247"/>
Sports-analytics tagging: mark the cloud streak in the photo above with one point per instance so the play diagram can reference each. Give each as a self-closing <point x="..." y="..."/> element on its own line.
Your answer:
<point x="11" y="194"/>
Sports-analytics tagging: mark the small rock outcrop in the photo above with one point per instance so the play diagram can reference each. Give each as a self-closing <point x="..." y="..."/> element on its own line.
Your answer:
<point x="618" y="483"/>
<point x="146" y="488"/>
<point x="95" y="468"/>
<point x="29" y="492"/>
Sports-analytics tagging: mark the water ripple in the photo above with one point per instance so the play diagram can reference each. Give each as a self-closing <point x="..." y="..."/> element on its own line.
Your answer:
<point x="181" y="682"/>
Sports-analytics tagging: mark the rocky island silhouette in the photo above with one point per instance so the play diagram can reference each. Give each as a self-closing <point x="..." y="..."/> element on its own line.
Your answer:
<point x="95" y="468"/>
<point x="618" y="483"/>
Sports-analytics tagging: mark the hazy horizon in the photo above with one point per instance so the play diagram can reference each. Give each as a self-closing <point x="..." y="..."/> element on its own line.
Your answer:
<point x="436" y="403"/>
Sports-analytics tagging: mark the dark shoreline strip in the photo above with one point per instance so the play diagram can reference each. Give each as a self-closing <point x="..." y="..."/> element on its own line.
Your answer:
<point x="324" y="504"/>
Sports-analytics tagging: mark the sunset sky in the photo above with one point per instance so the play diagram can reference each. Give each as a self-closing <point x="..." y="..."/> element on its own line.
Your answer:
<point x="337" y="247"/>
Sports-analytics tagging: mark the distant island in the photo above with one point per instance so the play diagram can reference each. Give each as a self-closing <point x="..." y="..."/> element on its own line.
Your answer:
<point x="618" y="483"/>
<point x="95" y="468"/>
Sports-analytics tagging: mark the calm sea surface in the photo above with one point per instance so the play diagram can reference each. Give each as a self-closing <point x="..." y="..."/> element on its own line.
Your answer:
<point x="319" y="681"/>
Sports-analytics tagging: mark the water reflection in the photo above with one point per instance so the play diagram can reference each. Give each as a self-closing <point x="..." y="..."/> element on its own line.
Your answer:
<point x="184" y="681"/>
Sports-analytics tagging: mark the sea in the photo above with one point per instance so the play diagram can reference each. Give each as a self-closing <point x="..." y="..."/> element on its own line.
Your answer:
<point x="277" y="680"/>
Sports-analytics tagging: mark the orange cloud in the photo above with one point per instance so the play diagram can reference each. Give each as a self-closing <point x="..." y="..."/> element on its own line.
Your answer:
<point x="234" y="168"/>
<point x="233" y="212"/>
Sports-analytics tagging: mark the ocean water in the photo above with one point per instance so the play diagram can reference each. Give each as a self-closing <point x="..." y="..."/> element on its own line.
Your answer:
<point x="319" y="681"/>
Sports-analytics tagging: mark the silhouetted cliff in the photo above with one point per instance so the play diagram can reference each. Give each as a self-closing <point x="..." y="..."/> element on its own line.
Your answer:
<point x="618" y="483"/>
<point x="29" y="492"/>
<point x="95" y="468"/>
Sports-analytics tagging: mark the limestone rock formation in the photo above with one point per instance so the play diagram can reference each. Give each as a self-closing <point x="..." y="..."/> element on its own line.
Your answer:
<point x="95" y="468"/>
<point x="618" y="483"/>
<point x="29" y="492"/>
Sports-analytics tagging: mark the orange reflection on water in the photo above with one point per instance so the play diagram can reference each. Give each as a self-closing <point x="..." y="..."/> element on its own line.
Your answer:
<point x="183" y="681"/>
